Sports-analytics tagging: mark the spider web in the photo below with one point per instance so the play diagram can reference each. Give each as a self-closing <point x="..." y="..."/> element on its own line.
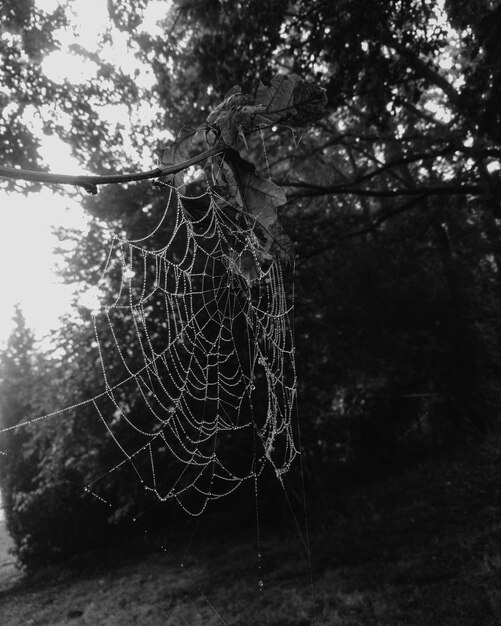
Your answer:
<point x="212" y="402"/>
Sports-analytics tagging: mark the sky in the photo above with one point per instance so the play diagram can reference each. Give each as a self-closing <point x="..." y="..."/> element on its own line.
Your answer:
<point x="28" y="274"/>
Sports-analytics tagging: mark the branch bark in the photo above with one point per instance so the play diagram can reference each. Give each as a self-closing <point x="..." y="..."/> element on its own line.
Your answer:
<point x="371" y="227"/>
<point x="438" y="190"/>
<point x="91" y="181"/>
<point x="426" y="71"/>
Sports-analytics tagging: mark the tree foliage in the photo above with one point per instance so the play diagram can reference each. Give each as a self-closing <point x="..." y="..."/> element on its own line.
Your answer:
<point x="393" y="206"/>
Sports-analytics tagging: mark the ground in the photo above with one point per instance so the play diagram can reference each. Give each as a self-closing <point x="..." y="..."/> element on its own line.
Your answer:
<point x="9" y="574"/>
<point x="421" y="548"/>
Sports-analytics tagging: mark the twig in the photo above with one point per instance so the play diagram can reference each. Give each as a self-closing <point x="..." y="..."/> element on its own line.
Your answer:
<point x="439" y="190"/>
<point x="371" y="227"/>
<point x="425" y="70"/>
<point x="89" y="182"/>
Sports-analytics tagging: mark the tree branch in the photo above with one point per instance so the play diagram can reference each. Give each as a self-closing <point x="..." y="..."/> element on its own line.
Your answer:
<point x="439" y="190"/>
<point x="426" y="71"/>
<point x="374" y="224"/>
<point x="405" y="160"/>
<point x="91" y="181"/>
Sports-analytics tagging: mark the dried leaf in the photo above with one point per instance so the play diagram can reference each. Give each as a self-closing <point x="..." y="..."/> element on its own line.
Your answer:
<point x="277" y="99"/>
<point x="246" y="264"/>
<point x="261" y="196"/>
<point x="282" y="246"/>
<point x="258" y="198"/>
<point x="288" y="99"/>
<point x="233" y="91"/>
<point x="310" y="101"/>
<point x="224" y="117"/>
<point x="174" y="153"/>
<point x="235" y="183"/>
<point x="90" y="188"/>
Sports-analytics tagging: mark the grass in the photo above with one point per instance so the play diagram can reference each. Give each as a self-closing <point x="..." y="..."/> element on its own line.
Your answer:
<point x="9" y="574"/>
<point x="422" y="548"/>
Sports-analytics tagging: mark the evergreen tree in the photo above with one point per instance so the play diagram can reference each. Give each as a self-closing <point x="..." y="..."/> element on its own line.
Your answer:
<point x="17" y="463"/>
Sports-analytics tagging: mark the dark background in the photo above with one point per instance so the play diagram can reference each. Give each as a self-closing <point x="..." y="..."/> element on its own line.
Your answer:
<point x="394" y="209"/>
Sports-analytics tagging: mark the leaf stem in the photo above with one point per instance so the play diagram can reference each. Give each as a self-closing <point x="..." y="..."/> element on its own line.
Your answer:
<point x="92" y="180"/>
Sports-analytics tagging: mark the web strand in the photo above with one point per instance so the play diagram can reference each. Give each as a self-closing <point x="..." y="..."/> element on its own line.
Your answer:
<point x="216" y="366"/>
